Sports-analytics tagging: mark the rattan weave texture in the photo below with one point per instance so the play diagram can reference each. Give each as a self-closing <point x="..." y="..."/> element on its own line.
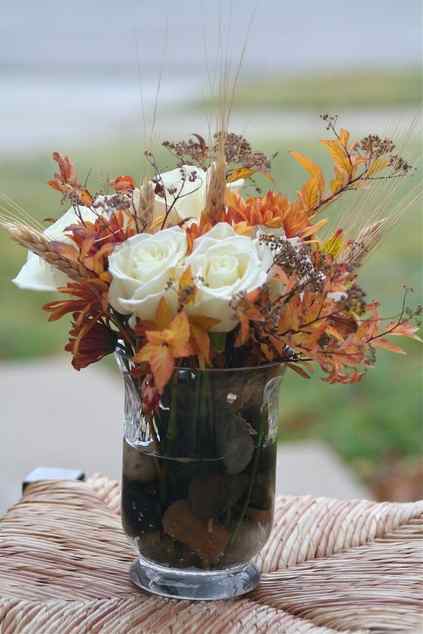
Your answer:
<point x="330" y="566"/>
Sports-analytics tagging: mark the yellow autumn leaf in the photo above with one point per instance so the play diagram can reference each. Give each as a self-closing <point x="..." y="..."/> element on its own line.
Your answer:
<point x="311" y="194"/>
<point x="338" y="155"/>
<point x="312" y="168"/>
<point x="334" y="244"/>
<point x="203" y="322"/>
<point x="246" y="172"/>
<point x="341" y="179"/>
<point x="377" y="165"/>
<point x="187" y="287"/>
<point x="310" y="231"/>
<point x="200" y="325"/>
<point x="163" y="315"/>
<point x="344" y="136"/>
<point x="336" y="185"/>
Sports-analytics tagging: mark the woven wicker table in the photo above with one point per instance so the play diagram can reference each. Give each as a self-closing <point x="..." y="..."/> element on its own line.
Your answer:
<point x="330" y="566"/>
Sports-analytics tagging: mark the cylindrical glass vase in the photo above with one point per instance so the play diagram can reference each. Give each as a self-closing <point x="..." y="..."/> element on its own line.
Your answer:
<point x="198" y="482"/>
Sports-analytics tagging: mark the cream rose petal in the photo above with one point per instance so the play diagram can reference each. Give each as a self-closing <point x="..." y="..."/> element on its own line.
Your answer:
<point x="143" y="269"/>
<point x="192" y="186"/>
<point x="225" y="264"/>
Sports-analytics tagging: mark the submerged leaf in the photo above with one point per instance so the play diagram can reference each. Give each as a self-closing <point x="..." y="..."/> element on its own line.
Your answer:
<point x="207" y="538"/>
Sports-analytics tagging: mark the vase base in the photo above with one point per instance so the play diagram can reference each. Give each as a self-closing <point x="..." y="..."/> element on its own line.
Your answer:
<point x="193" y="585"/>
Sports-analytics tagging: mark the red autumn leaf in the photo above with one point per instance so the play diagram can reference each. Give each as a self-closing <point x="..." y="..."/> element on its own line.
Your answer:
<point x="404" y="329"/>
<point x="90" y="343"/>
<point x="387" y="345"/>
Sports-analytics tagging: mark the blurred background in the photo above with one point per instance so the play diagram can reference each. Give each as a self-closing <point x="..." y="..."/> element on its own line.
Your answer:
<point x="98" y="81"/>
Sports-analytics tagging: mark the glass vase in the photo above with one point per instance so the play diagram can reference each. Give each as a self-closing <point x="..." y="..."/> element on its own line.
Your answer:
<point x="198" y="481"/>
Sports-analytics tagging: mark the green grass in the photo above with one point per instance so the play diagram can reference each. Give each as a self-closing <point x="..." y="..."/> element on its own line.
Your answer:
<point x="366" y="423"/>
<point x="331" y="91"/>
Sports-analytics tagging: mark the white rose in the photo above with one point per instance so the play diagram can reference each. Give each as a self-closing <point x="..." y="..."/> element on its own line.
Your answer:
<point x="223" y="264"/>
<point x="38" y="275"/>
<point x="189" y="185"/>
<point x="142" y="270"/>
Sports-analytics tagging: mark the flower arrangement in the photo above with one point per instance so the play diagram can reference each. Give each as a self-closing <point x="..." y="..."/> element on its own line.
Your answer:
<point x="205" y="293"/>
<point x="186" y="271"/>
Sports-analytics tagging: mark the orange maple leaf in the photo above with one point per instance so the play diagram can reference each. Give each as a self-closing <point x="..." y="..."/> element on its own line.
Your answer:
<point x="200" y="325"/>
<point x="165" y="346"/>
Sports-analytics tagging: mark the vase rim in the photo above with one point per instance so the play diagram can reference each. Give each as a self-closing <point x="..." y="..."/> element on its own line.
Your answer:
<point x="247" y="368"/>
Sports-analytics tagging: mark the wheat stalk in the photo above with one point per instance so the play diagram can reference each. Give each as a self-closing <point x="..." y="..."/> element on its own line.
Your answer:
<point x="145" y="206"/>
<point x="215" y="201"/>
<point x="38" y="243"/>
<point x="366" y="241"/>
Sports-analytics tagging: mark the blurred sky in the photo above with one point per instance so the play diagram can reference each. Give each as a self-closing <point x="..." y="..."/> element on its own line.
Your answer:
<point x="284" y="34"/>
<point x="73" y="70"/>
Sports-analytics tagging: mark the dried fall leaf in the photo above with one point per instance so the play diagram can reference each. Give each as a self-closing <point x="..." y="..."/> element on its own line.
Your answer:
<point x="335" y="244"/>
<point x="67" y="173"/>
<point x="207" y="539"/>
<point x="311" y="194"/>
<point x="187" y="289"/>
<point x="339" y="155"/>
<point x="200" y="326"/>
<point x="164" y="315"/>
<point x="378" y="165"/>
<point x="244" y="331"/>
<point x="340" y="181"/>
<point x="246" y="172"/>
<point x="404" y="329"/>
<point x="344" y="137"/>
<point x="165" y="346"/>
<point x="312" y="168"/>
<point x="123" y="183"/>
<point x="201" y="341"/>
<point x="90" y="343"/>
<point x="161" y="362"/>
<point x="387" y="345"/>
<point x="299" y="370"/>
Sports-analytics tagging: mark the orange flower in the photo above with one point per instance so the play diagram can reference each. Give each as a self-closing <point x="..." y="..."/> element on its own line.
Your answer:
<point x="123" y="183"/>
<point x="97" y="240"/>
<point x="91" y="301"/>
<point x="272" y="210"/>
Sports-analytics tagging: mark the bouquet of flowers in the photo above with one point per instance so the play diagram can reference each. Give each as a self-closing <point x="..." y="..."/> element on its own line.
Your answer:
<point x="185" y="271"/>
<point x="183" y="274"/>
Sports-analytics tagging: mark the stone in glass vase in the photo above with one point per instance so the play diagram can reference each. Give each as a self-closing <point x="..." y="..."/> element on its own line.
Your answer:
<point x="198" y="481"/>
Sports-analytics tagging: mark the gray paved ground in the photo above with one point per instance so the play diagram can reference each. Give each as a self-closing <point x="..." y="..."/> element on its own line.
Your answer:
<point x="53" y="416"/>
